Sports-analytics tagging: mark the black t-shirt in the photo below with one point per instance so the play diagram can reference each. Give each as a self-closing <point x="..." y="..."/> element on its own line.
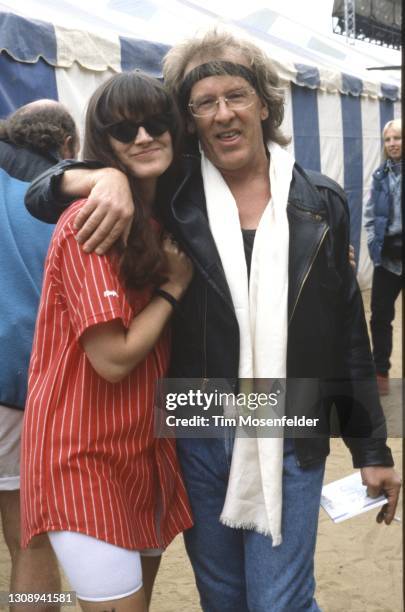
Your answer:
<point x="248" y="240"/>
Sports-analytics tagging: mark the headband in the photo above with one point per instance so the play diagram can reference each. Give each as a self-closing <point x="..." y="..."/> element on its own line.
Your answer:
<point x="215" y="68"/>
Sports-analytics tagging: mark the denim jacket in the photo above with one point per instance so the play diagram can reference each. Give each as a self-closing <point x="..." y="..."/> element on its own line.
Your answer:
<point x="377" y="217"/>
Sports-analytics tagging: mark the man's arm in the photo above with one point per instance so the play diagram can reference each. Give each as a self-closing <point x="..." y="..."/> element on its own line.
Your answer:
<point x="364" y="431"/>
<point x="108" y="211"/>
<point x="44" y="199"/>
<point x="105" y="216"/>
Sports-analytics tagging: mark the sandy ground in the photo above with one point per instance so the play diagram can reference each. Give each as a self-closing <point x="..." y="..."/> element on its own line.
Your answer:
<point x="358" y="563"/>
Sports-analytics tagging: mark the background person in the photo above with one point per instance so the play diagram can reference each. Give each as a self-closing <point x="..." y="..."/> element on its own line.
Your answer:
<point x="32" y="139"/>
<point x="104" y="489"/>
<point x="383" y="223"/>
<point x="226" y="210"/>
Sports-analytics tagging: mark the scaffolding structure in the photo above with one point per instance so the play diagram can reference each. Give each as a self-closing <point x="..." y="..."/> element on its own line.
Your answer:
<point x="374" y="21"/>
<point x="350" y="21"/>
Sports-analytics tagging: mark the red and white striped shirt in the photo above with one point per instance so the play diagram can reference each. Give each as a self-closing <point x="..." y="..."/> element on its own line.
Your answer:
<point x="90" y="462"/>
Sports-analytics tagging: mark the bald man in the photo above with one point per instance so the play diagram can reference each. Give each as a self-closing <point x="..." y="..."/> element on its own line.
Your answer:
<point x="32" y="139"/>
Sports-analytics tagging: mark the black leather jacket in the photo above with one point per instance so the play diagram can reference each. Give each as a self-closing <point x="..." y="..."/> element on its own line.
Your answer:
<point x="327" y="337"/>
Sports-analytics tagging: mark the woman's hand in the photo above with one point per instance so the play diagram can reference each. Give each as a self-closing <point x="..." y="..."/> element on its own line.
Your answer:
<point x="179" y="268"/>
<point x="112" y="349"/>
<point x="108" y="212"/>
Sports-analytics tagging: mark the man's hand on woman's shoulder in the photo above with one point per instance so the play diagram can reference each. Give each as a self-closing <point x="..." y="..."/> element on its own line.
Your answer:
<point x="107" y="213"/>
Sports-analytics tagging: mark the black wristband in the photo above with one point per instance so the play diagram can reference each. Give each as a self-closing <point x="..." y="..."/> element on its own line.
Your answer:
<point x="168" y="297"/>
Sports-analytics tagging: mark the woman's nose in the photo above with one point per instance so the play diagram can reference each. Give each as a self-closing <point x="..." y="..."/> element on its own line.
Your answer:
<point x="142" y="136"/>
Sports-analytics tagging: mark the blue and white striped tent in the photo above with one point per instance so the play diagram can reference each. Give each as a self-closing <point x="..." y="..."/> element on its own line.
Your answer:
<point x="333" y="113"/>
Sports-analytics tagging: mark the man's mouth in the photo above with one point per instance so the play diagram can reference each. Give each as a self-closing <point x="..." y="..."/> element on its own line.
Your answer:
<point x="228" y="136"/>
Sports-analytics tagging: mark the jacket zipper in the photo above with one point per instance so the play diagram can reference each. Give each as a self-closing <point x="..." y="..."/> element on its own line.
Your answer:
<point x="204" y="343"/>
<point x="316" y="217"/>
<point x="309" y="270"/>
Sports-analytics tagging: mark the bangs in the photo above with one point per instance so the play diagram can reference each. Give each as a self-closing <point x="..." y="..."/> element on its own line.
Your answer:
<point x="129" y="96"/>
<point x="132" y="96"/>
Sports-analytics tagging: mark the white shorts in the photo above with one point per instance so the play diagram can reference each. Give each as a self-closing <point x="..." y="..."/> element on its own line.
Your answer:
<point x="97" y="570"/>
<point x="10" y="436"/>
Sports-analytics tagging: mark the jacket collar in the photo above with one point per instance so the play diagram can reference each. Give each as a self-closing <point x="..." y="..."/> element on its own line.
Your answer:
<point x="190" y="224"/>
<point x="189" y="215"/>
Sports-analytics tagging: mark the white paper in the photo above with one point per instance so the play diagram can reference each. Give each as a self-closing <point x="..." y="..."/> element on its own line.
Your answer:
<point x="347" y="497"/>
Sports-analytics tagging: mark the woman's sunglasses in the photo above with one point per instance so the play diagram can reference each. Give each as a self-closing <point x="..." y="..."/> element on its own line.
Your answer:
<point x="126" y="131"/>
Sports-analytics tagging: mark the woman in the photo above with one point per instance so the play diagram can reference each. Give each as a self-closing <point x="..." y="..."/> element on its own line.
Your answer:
<point x="383" y="223"/>
<point x="95" y="479"/>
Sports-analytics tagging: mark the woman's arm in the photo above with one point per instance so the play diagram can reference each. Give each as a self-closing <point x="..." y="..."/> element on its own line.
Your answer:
<point x="115" y="351"/>
<point x="369" y="214"/>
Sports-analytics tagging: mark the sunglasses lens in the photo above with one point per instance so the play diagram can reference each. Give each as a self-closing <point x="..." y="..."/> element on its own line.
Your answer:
<point x="157" y="125"/>
<point x="123" y="131"/>
<point x="126" y="131"/>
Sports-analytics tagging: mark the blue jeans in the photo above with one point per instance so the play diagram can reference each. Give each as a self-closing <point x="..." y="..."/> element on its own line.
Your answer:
<point x="238" y="570"/>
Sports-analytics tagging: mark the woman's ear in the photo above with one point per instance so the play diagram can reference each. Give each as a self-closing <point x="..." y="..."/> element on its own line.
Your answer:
<point x="190" y="125"/>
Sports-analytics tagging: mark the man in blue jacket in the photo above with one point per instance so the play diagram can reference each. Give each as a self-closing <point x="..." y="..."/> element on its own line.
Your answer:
<point x="32" y="139"/>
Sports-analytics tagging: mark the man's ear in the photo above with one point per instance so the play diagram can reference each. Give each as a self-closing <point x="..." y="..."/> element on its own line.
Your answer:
<point x="264" y="112"/>
<point x="67" y="149"/>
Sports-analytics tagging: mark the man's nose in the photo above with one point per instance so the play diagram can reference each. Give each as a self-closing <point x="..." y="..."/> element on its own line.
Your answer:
<point x="143" y="136"/>
<point x="224" y="113"/>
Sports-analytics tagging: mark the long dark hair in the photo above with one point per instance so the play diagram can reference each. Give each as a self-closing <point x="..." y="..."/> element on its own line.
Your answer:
<point x="133" y="96"/>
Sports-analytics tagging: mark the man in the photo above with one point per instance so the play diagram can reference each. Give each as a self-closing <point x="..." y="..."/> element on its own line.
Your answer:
<point x="273" y="296"/>
<point x="32" y="139"/>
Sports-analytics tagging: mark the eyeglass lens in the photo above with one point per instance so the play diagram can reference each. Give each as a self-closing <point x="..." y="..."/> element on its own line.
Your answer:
<point x="238" y="99"/>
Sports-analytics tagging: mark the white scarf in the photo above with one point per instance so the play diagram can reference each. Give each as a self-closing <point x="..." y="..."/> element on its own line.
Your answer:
<point x="254" y="494"/>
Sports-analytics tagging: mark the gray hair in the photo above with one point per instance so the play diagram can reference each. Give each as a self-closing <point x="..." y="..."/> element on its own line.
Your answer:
<point x="215" y="45"/>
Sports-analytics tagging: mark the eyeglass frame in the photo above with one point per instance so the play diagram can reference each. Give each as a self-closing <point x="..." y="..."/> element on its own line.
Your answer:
<point x="225" y="99"/>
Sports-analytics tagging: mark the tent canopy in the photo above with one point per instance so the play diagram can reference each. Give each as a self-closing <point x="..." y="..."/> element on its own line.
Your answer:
<point x="301" y="55"/>
<point x="335" y="109"/>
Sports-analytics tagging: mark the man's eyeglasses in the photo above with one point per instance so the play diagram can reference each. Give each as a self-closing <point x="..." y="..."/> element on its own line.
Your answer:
<point x="126" y="131"/>
<point x="235" y="100"/>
